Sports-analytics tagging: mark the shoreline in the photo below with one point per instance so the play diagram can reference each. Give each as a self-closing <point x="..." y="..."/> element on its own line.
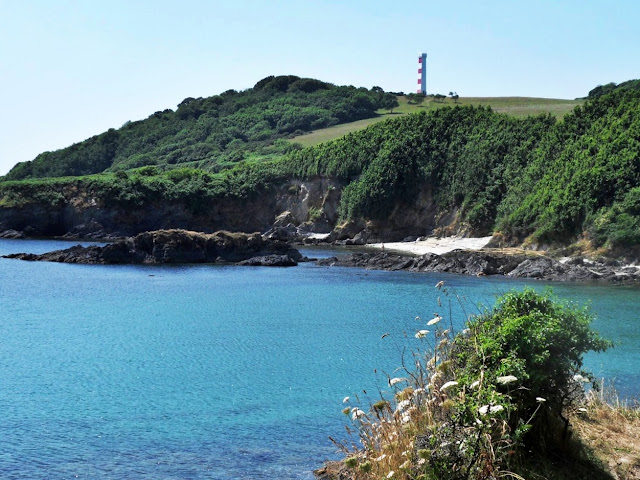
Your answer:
<point x="492" y="262"/>
<point x="457" y="255"/>
<point x="437" y="245"/>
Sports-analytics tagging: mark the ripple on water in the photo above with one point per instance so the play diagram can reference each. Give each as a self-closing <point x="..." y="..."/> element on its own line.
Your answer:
<point x="217" y="372"/>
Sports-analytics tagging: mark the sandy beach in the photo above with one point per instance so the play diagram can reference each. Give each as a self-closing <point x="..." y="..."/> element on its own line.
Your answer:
<point x="433" y="245"/>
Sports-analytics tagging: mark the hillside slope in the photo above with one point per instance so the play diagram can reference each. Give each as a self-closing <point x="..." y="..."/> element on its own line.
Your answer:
<point x="213" y="133"/>
<point x="466" y="170"/>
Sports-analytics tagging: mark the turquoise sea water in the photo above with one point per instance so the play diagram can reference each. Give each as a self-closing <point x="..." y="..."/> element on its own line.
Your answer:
<point x="210" y="372"/>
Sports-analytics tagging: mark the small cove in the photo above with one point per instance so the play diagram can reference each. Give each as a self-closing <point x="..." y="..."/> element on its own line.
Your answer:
<point x="218" y="371"/>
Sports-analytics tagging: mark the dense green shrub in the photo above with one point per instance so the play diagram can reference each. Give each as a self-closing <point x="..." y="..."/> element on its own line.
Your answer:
<point x="617" y="226"/>
<point x="586" y="163"/>
<point x="535" y="338"/>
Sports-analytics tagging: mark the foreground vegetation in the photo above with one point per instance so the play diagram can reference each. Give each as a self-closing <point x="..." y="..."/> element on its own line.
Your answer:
<point x="492" y="401"/>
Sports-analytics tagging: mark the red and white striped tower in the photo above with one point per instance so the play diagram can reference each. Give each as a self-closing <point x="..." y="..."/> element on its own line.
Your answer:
<point x="422" y="74"/>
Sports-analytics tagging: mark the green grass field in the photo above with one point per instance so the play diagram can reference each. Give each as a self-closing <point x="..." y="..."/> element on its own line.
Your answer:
<point x="516" y="106"/>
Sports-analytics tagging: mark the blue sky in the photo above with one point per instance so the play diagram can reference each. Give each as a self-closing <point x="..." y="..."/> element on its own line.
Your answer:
<point x="73" y="68"/>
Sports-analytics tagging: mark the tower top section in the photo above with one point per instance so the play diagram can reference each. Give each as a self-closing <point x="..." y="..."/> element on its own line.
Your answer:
<point x="422" y="74"/>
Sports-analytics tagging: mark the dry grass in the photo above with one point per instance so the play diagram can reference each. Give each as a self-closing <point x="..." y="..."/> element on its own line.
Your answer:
<point x="610" y="430"/>
<point x="410" y="430"/>
<point x="337" y="131"/>
<point x="604" y="443"/>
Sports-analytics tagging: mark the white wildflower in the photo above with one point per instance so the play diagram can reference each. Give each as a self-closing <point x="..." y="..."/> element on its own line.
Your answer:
<point x="345" y="399"/>
<point x="422" y="333"/>
<point x="422" y="461"/>
<point x="540" y="399"/>
<point x="380" y="458"/>
<point x="466" y="331"/>
<point x="434" y="320"/>
<point x="357" y="413"/>
<point x="395" y="381"/>
<point x="580" y="378"/>
<point x="478" y="421"/>
<point x="475" y="384"/>
<point x="490" y="409"/>
<point x="406" y="418"/>
<point x="448" y="385"/>
<point x="506" y="379"/>
<point x="405" y="465"/>
<point x="403" y="405"/>
<point x="391" y="474"/>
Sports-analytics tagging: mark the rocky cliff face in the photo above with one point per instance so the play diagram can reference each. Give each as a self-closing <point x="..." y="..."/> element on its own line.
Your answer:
<point x="312" y="204"/>
<point x="291" y="211"/>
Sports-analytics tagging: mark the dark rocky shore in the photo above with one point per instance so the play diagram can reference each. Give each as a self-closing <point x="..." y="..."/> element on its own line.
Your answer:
<point x="487" y="262"/>
<point x="178" y="246"/>
<point x="183" y="247"/>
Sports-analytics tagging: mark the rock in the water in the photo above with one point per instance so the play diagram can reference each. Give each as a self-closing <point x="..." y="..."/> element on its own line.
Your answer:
<point x="270" y="261"/>
<point x="173" y="246"/>
<point x="12" y="234"/>
<point x="332" y="471"/>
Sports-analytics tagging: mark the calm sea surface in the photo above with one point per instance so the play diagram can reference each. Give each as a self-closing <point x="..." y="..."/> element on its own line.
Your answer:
<point x="209" y="372"/>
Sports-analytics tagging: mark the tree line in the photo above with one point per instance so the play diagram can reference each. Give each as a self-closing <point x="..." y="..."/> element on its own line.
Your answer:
<point x="216" y="132"/>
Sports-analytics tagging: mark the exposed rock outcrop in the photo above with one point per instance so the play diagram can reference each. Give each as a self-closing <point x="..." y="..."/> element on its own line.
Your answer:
<point x="294" y="210"/>
<point x="11" y="234"/>
<point x="79" y="212"/>
<point x="177" y="246"/>
<point x="333" y="471"/>
<point x="490" y="263"/>
<point x="270" y="261"/>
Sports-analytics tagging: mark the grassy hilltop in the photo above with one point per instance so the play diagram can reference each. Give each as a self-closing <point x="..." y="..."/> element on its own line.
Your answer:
<point x="514" y="106"/>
